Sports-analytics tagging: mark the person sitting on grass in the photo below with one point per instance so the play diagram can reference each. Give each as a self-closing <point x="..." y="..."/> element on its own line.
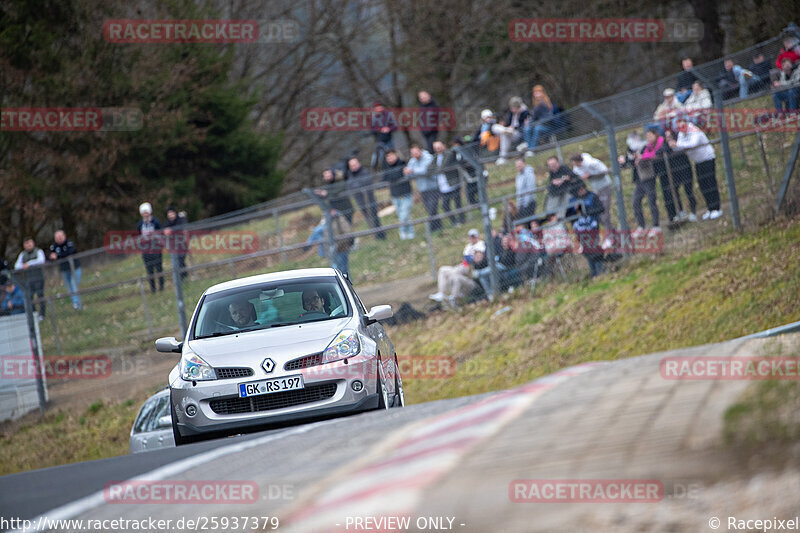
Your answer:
<point x="455" y="282"/>
<point x="787" y="98"/>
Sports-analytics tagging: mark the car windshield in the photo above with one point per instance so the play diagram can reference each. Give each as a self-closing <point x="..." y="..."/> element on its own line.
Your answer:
<point x="268" y="305"/>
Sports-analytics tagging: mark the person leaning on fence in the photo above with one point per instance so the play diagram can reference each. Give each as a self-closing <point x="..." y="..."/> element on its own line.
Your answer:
<point x="700" y="151"/>
<point x="595" y="173"/>
<point x="660" y="168"/>
<point x="400" y="191"/>
<point x="29" y="265"/>
<point x="462" y="158"/>
<point x="341" y="257"/>
<point x="455" y="282"/>
<point x="733" y="80"/>
<point x="587" y="229"/>
<point x="151" y="253"/>
<point x="418" y="167"/>
<point x="12" y="301"/>
<point x="359" y="178"/>
<point x="172" y="225"/>
<point x="335" y="193"/>
<point x="787" y="95"/>
<point x="449" y="181"/>
<point x="525" y="188"/>
<point x="682" y="177"/>
<point x="640" y="157"/>
<point x="61" y="249"/>
<point x="562" y="187"/>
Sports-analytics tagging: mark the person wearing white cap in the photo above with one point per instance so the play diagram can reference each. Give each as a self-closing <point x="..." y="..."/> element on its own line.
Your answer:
<point x="670" y="104"/>
<point x="455" y="282"/>
<point x="151" y="251"/>
<point x="485" y="134"/>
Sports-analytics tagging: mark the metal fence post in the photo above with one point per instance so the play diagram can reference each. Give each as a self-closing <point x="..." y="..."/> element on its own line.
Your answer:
<point x="788" y="173"/>
<point x="615" y="170"/>
<point x="51" y="304"/>
<point x="487" y="230"/>
<point x="431" y="255"/>
<point x="724" y="141"/>
<point x="177" y="280"/>
<point x="146" y="309"/>
<point x="34" y="342"/>
<point x="279" y="232"/>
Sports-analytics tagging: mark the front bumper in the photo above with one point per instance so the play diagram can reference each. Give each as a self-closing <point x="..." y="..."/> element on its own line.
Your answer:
<point x="344" y="400"/>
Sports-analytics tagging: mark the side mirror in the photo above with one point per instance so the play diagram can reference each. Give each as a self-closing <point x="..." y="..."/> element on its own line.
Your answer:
<point x="379" y="312"/>
<point x="165" y="421"/>
<point x="168" y="345"/>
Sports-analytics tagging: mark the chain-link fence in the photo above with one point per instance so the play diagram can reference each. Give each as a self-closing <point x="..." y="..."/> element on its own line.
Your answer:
<point x="403" y="234"/>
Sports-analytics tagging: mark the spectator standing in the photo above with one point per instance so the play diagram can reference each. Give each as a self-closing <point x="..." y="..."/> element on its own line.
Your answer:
<point x="13" y="301"/>
<point x="400" y="191"/>
<point x="513" y="127"/>
<point x="682" y="176"/>
<point x="383" y="125"/>
<point x="359" y="178"/>
<point x="526" y="188"/>
<point x="787" y="98"/>
<point x="595" y="173"/>
<point x="457" y="146"/>
<point x="641" y="157"/>
<point x="562" y="187"/>
<point x="430" y="110"/>
<point x="686" y="80"/>
<point x="172" y="224"/>
<point x="540" y="123"/>
<point x="335" y="192"/>
<point x="61" y="249"/>
<point x="587" y="229"/>
<point x="448" y="179"/>
<point x="700" y="151"/>
<point x="418" y="167"/>
<point x="30" y="263"/>
<point x="341" y="257"/>
<point x="147" y="227"/>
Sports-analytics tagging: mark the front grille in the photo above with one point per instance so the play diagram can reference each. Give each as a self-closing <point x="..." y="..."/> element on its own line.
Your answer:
<point x="276" y="400"/>
<point x="304" y="362"/>
<point x="233" y="372"/>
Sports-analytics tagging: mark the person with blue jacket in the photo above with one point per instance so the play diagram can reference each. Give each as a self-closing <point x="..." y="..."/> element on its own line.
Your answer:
<point x="587" y="228"/>
<point x="13" y="301"/>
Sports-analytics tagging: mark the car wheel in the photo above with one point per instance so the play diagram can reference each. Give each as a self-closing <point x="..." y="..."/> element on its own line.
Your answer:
<point x="399" y="398"/>
<point x="179" y="439"/>
<point x="383" y="392"/>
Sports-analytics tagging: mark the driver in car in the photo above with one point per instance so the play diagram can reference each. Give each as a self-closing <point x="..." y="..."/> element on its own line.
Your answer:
<point x="313" y="302"/>
<point x="243" y="313"/>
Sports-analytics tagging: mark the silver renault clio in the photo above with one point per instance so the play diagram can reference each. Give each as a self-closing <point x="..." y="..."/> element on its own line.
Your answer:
<point x="279" y="347"/>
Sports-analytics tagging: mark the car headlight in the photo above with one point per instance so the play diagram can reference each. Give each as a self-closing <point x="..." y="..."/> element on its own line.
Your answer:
<point x="346" y="344"/>
<point x="193" y="368"/>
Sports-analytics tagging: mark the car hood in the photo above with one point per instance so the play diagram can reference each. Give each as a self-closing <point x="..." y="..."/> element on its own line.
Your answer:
<point x="281" y="344"/>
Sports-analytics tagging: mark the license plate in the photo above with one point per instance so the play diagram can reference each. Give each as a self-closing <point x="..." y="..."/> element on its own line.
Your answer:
<point x="269" y="386"/>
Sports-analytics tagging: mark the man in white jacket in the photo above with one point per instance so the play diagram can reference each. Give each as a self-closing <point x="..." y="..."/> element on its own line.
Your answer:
<point x="595" y="173"/>
<point x="29" y="268"/>
<point x="700" y="151"/>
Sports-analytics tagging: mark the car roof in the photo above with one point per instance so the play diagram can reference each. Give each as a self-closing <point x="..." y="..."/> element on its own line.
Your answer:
<point x="285" y="275"/>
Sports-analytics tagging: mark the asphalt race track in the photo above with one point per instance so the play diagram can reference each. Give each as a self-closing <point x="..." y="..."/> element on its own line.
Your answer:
<point x="445" y="465"/>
